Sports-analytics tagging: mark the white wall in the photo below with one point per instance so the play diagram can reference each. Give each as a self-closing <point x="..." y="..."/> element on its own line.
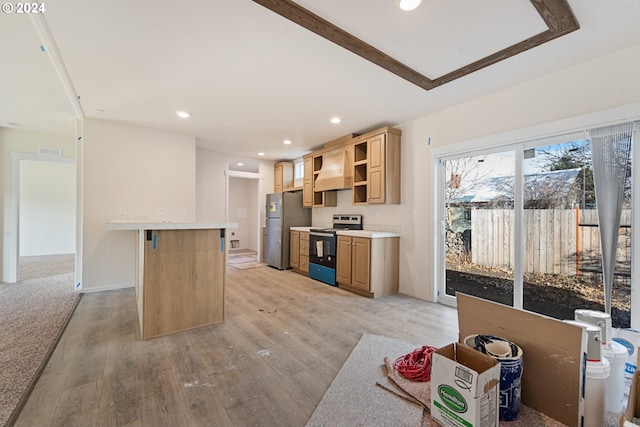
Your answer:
<point x="47" y="208"/>
<point x="211" y="168"/>
<point x="130" y="172"/>
<point x="583" y="95"/>
<point x="244" y="209"/>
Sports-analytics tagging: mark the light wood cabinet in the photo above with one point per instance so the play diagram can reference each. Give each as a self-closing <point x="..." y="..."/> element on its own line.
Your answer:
<point x="376" y="168"/>
<point x="369" y="267"/>
<point x="307" y="183"/>
<point x="182" y="282"/>
<point x="283" y="177"/>
<point x="299" y="251"/>
<point x="294" y="249"/>
<point x="304" y="252"/>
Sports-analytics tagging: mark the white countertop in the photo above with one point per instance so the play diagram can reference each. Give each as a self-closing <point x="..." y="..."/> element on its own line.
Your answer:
<point x="145" y="225"/>
<point x="301" y="228"/>
<point x="371" y="234"/>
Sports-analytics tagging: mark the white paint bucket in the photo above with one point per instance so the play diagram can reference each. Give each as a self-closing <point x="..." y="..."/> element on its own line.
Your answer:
<point x="614" y="352"/>
<point x="594" y="396"/>
<point x="617" y="357"/>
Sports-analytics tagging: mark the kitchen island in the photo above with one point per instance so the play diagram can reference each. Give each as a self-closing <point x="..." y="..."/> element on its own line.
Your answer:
<point x="180" y="274"/>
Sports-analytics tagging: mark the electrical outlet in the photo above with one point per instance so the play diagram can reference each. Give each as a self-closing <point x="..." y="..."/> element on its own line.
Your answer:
<point x="160" y="211"/>
<point x="183" y="211"/>
<point x="377" y="214"/>
<point x="414" y="279"/>
<point x="122" y="211"/>
<point x="413" y="213"/>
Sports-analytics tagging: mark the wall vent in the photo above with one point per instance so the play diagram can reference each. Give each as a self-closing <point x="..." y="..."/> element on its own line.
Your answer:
<point x="50" y="151"/>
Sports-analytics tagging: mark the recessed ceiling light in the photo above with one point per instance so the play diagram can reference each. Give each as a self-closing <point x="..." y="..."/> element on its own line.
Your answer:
<point x="286" y="142"/>
<point x="240" y="164"/>
<point x="335" y="120"/>
<point x="408" y="5"/>
<point x="261" y="154"/>
<point x="183" y="114"/>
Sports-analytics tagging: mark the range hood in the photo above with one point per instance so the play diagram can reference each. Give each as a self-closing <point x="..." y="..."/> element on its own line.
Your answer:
<point x="335" y="173"/>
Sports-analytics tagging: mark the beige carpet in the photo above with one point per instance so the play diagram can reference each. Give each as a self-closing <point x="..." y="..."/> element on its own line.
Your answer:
<point x="353" y="399"/>
<point x="33" y="313"/>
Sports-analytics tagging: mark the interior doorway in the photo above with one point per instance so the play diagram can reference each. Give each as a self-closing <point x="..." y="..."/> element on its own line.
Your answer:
<point x="244" y="244"/>
<point x="43" y="211"/>
<point x="47" y="225"/>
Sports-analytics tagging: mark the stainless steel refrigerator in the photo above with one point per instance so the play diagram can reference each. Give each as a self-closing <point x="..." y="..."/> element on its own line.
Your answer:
<point x="283" y="211"/>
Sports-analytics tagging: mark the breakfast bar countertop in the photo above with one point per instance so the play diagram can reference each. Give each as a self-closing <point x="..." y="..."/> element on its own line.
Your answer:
<point x="145" y="224"/>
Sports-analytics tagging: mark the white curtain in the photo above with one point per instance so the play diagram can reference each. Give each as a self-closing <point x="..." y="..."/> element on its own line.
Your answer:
<point x="610" y="154"/>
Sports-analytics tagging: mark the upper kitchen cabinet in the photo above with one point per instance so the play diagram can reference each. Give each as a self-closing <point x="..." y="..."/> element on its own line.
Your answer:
<point x="368" y="164"/>
<point x="283" y="177"/>
<point x="376" y="167"/>
<point x="307" y="182"/>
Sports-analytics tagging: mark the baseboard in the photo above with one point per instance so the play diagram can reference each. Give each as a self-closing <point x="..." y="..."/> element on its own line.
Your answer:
<point x="107" y="288"/>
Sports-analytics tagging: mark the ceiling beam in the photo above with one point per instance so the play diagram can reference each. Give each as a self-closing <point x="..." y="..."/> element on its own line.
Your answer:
<point x="556" y="14"/>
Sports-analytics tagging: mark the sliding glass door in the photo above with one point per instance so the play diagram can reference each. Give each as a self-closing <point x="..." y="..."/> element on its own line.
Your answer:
<point x="478" y="224"/>
<point x="521" y="227"/>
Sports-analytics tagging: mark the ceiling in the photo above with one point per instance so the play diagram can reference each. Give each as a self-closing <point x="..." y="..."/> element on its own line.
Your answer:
<point x="252" y="78"/>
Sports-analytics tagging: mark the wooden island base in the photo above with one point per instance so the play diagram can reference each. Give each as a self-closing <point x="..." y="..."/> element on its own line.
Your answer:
<point x="180" y="275"/>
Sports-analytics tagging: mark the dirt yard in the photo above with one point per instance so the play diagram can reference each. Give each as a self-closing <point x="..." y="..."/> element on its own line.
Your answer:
<point x="553" y="295"/>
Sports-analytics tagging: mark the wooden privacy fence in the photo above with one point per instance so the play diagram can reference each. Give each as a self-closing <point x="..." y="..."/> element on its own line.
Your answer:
<point x="557" y="241"/>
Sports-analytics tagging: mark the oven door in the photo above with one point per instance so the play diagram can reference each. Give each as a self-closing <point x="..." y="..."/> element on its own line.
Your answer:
<point x="322" y="249"/>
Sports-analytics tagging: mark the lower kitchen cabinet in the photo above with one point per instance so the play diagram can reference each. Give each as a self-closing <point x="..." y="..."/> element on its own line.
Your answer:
<point x="368" y="266"/>
<point x="299" y="251"/>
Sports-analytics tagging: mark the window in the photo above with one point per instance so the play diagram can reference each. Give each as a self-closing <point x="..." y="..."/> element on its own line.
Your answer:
<point x="298" y="172"/>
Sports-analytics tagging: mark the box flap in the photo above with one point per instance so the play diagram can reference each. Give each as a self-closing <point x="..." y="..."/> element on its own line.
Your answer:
<point x="553" y="353"/>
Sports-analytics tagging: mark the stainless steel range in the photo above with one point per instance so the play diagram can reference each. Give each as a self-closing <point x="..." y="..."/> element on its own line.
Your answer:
<point x="322" y="247"/>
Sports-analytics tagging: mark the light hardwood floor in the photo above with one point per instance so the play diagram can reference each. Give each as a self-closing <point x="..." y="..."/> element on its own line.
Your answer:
<point x="284" y="339"/>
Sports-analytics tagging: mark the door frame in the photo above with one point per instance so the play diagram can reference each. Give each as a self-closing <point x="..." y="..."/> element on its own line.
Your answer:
<point x="228" y="174"/>
<point x="12" y="256"/>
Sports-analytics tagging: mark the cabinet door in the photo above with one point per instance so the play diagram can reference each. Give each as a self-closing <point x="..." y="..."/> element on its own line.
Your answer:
<point x="376" y="173"/>
<point x="304" y="263"/>
<point x="307" y="183"/>
<point x="278" y="178"/>
<point x="360" y="262"/>
<point x="343" y="263"/>
<point x="294" y="250"/>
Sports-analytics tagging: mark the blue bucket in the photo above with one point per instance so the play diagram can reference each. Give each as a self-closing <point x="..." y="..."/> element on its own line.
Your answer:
<point x="510" y="357"/>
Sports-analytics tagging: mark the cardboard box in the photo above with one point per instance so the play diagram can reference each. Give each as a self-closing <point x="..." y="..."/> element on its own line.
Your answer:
<point x="554" y="354"/>
<point x="464" y="387"/>
<point x="630" y="339"/>
<point x="633" y="404"/>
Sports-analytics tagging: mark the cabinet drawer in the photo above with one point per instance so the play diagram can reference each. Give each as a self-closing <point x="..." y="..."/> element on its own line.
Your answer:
<point x="304" y="263"/>
<point x="304" y="243"/>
